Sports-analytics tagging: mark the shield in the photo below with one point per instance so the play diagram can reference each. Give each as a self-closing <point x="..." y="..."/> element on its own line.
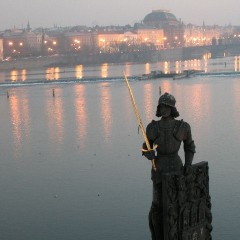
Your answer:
<point x="187" y="204"/>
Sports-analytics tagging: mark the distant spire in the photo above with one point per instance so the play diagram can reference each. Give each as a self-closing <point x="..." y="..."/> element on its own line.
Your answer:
<point x="203" y="24"/>
<point x="28" y="27"/>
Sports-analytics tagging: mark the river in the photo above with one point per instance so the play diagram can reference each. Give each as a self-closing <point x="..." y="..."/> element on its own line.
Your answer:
<point x="71" y="165"/>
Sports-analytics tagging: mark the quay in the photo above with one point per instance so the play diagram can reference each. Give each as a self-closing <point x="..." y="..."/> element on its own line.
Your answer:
<point x="65" y="80"/>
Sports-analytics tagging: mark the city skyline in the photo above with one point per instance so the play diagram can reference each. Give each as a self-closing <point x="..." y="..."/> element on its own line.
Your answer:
<point x="16" y="13"/>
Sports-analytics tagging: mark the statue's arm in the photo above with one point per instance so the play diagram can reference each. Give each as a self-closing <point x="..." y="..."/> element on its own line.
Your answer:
<point x="151" y="135"/>
<point x="189" y="145"/>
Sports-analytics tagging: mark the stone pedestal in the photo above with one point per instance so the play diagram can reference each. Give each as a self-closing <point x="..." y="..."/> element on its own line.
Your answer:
<point x="187" y="204"/>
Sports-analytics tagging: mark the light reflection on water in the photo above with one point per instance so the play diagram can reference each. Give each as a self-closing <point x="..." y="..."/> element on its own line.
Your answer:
<point x="106" y="110"/>
<point x="73" y="161"/>
<point x="14" y="75"/>
<point x="148" y="101"/>
<point x="81" y="114"/>
<point x="79" y="71"/>
<point x="15" y="120"/>
<point x="229" y="64"/>
<point x="104" y="70"/>
<point x="55" y="116"/>
<point x="53" y="73"/>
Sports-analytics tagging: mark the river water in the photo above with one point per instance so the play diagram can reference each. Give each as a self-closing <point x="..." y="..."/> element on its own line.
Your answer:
<point x="71" y="166"/>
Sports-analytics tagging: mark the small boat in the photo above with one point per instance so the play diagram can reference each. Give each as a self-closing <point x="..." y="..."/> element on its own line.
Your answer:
<point x="157" y="74"/>
<point x="186" y="74"/>
<point x="174" y="75"/>
<point x="181" y="76"/>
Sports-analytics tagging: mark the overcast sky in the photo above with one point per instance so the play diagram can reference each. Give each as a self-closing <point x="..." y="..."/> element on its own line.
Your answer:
<point x="46" y="13"/>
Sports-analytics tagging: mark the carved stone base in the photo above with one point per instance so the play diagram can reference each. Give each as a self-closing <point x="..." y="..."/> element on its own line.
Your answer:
<point x="187" y="204"/>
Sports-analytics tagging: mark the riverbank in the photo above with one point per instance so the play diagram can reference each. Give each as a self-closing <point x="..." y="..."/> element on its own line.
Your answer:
<point x="163" y="55"/>
<point x="78" y="59"/>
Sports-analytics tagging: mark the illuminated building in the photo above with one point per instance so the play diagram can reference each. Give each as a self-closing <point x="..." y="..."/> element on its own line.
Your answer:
<point x="17" y="42"/>
<point x="130" y="40"/>
<point x="152" y="36"/>
<point x="172" y="28"/>
<point x="110" y="41"/>
<point x="201" y="35"/>
<point x="79" y="41"/>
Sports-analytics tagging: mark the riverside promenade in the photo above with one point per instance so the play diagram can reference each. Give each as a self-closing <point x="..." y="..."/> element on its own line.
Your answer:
<point x="174" y="54"/>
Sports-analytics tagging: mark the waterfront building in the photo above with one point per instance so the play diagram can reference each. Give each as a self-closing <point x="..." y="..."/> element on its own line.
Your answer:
<point x="21" y="42"/>
<point x="202" y="35"/>
<point x="173" y="29"/>
<point x="231" y="35"/>
<point x="70" y="41"/>
<point x="80" y="41"/>
<point x="130" y="41"/>
<point x="114" y="41"/>
<point x="150" y="35"/>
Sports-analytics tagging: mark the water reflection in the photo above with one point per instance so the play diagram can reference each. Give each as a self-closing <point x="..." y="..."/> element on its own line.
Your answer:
<point x="206" y="65"/>
<point x="79" y="71"/>
<point x="104" y="70"/>
<point x="148" y="101"/>
<point x="237" y="63"/>
<point x="201" y="103"/>
<point x="147" y="68"/>
<point x="178" y="66"/>
<point x="196" y="97"/>
<point x="81" y="114"/>
<point x="166" y="86"/>
<point x="2" y="76"/>
<point x="128" y="69"/>
<point x="166" y="67"/>
<point x="24" y="75"/>
<point x="55" y="115"/>
<point x="26" y="116"/>
<point x="106" y="109"/>
<point x="53" y="73"/>
<point x="15" y="120"/>
<point x="20" y="120"/>
<point x="14" y="75"/>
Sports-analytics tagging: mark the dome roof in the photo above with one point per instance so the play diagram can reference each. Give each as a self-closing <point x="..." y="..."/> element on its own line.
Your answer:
<point x="160" y="17"/>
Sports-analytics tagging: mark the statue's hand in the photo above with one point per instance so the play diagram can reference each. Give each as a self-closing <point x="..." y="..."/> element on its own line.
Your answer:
<point x="149" y="154"/>
<point x="187" y="169"/>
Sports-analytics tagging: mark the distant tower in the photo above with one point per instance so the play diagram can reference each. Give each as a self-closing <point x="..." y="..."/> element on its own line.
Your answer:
<point x="204" y="24"/>
<point x="28" y="27"/>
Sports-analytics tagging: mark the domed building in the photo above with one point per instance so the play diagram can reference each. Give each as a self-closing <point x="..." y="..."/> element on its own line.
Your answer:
<point x="173" y="29"/>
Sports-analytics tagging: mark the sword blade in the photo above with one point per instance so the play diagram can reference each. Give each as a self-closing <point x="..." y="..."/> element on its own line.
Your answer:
<point x="139" y="118"/>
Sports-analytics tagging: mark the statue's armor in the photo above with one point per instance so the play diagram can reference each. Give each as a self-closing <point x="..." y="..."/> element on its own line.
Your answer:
<point x="168" y="135"/>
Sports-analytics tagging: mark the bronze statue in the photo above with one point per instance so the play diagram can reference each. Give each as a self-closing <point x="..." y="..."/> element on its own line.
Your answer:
<point x="166" y="135"/>
<point x="181" y="206"/>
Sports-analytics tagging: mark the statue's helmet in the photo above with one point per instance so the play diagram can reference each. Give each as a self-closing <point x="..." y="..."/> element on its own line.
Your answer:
<point x="168" y="100"/>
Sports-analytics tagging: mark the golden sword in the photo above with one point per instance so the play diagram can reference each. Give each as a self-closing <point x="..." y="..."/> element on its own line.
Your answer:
<point x="139" y="119"/>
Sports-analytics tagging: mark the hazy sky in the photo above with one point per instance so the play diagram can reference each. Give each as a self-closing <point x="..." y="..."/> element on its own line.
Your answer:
<point x="46" y="13"/>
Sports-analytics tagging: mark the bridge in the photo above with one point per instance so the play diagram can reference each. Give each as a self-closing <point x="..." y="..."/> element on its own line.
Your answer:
<point x="214" y="50"/>
<point x="197" y="52"/>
